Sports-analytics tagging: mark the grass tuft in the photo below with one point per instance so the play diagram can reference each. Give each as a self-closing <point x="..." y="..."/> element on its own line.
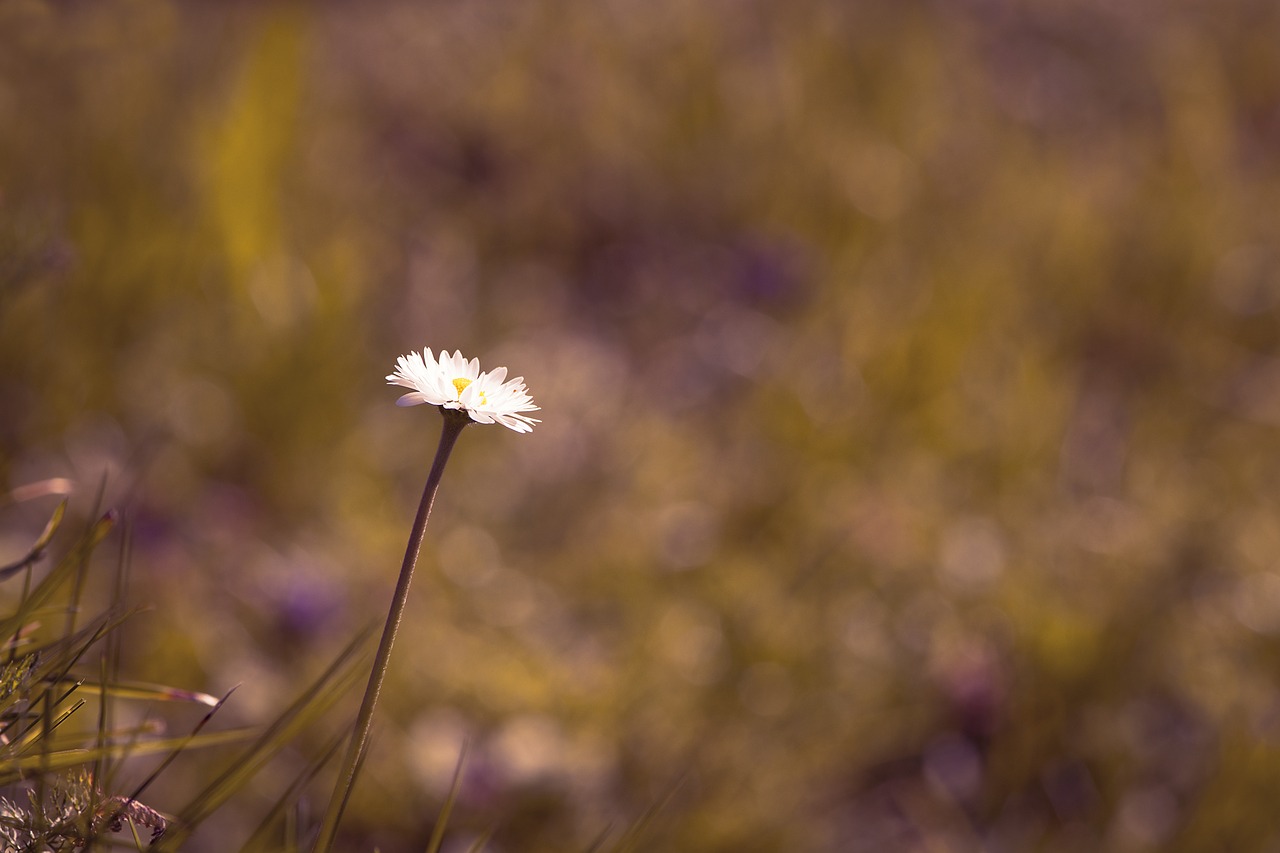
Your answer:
<point x="61" y="779"/>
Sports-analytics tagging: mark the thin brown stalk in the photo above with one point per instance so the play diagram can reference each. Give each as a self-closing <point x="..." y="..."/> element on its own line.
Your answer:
<point x="454" y="421"/>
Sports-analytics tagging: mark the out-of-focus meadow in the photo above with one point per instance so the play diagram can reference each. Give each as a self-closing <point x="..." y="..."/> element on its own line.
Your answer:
<point x="909" y="475"/>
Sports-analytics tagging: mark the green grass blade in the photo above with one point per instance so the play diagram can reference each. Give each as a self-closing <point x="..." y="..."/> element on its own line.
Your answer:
<point x="258" y="842"/>
<point x="14" y="770"/>
<point x="337" y="679"/>
<point x="138" y="690"/>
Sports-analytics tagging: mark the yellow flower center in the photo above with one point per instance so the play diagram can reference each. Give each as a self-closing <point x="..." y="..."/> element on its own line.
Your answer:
<point x="461" y="385"/>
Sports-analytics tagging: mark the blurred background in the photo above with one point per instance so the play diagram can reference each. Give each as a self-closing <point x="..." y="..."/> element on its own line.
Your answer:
<point x="908" y="477"/>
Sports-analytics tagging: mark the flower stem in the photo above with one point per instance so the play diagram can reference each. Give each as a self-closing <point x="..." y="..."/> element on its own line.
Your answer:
<point x="454" y="421"/>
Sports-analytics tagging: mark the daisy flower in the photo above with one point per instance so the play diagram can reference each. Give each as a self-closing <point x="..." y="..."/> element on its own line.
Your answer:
<point x="452" y="382"/>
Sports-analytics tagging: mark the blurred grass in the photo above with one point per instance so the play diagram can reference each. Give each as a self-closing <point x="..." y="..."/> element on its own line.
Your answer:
<point x="910" y="385"/>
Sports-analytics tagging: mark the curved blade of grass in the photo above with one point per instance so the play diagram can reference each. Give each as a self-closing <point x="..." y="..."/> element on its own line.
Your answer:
<point x="38" y="489"/>
<point x="37" y="550"/>
<point x="63" y="571"/>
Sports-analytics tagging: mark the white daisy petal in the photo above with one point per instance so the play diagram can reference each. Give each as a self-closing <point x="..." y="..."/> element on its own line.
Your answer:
<point x="453" y="382"/>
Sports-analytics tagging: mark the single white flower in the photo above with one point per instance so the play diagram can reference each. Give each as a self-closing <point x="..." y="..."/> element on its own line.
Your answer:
<point x="452" y="382"/>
